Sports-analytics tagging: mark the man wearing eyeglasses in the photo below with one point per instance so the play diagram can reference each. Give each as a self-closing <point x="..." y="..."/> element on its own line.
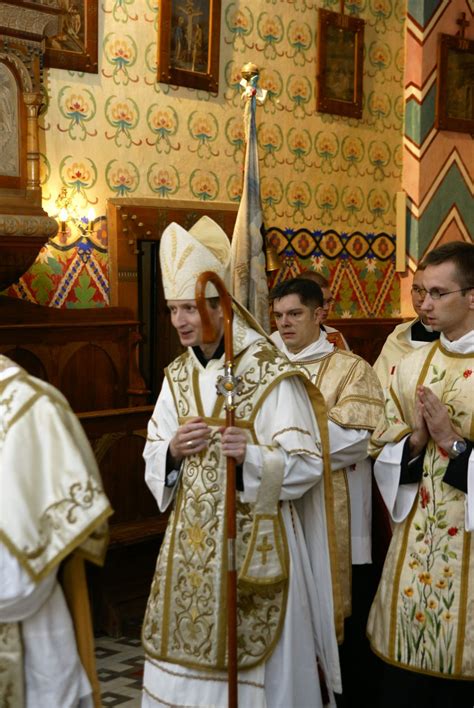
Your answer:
<point x="422" y="620"/>
<point x="406" y="336"/>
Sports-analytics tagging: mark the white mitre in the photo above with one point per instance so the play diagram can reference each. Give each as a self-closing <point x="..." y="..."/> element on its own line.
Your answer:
<point x="184" y="255"/>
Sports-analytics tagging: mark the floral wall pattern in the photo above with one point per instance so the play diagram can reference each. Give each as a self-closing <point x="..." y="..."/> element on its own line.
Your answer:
<point x="120" y="133"/>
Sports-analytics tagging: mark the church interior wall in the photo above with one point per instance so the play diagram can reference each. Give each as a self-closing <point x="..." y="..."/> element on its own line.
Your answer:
<point x="328" y="183"/>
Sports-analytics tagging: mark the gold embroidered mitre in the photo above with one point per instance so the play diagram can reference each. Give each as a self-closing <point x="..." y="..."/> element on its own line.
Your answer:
<point x="184" y="255"/>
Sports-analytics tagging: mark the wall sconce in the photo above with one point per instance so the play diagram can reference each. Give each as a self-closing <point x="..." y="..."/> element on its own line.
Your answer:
<point x="90" y="220"/>
<point x="63" y="217"/>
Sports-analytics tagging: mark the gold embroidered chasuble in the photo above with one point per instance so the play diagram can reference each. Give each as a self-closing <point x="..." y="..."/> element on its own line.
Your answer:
<point x="52" y="501"/>
<point x="353" y="399"/>
<point x="422" y="617"/>
<point x="11" y="666"/>
<point x="185" y="620"/>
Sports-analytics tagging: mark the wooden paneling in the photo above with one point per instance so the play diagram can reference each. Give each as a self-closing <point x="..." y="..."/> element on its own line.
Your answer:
<point x="366" y="337"/>
<point x="89" y="355"/>
<point x="121" y="588"/>
<point x="118" y="438"/>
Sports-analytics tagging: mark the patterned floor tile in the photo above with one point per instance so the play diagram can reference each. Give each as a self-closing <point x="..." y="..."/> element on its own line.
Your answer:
<point x="120" y="671"/>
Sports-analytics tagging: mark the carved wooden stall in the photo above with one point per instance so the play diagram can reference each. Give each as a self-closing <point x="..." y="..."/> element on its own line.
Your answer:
<point x="367" y="336"/>
<point x="90" y="355"/>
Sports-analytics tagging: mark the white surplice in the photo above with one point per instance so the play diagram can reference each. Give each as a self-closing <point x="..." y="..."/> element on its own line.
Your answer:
<point x="348" y="449"/>
<point x="54" y="676"/>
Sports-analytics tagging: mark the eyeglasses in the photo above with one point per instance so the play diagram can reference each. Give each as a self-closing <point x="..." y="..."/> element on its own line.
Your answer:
<point x="418" y="291"/>
<point x="435" y="294"/>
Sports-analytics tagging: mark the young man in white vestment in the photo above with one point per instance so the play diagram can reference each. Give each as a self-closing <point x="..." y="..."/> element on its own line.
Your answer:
<point x="334" y="335"/>
<point x="406" y="336"/>
<point x="285" y="626"/>
<point x="421" y="623"/>
<point x="52" y="506"/>
<point x="354" y="404"/>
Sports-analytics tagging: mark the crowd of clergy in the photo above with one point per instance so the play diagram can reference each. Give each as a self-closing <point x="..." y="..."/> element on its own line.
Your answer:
<point x="317" y="438"/>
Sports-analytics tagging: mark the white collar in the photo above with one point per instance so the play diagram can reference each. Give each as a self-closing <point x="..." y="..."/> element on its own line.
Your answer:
<point x="315" y="350"/>
<point x="463" y="345"/>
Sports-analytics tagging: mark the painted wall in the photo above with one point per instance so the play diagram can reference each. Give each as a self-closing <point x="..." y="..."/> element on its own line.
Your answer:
<point x="119" y="133"/>
<point x="438" y="171"/>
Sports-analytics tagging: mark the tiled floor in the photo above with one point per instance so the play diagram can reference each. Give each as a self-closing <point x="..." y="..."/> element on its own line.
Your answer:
<point x="120" y="670"/>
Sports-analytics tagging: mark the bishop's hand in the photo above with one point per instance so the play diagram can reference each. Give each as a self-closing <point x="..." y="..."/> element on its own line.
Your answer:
<point x="189" y="439"/>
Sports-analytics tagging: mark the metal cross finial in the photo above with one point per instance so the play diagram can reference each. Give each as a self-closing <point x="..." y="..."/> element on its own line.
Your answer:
<point x="463" y="24"/>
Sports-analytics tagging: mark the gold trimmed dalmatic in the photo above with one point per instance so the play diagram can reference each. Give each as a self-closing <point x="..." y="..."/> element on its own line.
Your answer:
<point x="353" y="400"/>
<point x="51" y="501"/>
<point x="11" y="666"/>
<point x="422" y="617"/>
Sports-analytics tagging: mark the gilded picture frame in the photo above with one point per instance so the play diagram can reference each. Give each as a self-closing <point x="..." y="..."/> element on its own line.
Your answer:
<point x="75" y="47"/>
<point x="340" y="58"/>
<point x="188" y="43"/>
<point x="455" y="84"/>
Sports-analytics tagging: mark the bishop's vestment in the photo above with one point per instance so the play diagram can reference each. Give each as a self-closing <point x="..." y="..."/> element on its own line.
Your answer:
<point x="285" y="615"/>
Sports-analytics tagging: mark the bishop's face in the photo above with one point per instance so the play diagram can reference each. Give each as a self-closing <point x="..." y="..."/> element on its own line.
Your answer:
<point x="186" y="320"/>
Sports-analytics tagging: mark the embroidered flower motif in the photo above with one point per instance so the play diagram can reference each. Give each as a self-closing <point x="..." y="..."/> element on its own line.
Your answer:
<point x="420" y="617"/>
<point x="425" y="578"/>
<point x="408" y="591"/>
<point x="432" y="604"/>
<point x="196" y="537"/>
<point x="448" y="616"/>
<point x="453" y="531"/>
<point x="413" y="564"/>
<point x="447" y="572"/>
<point x="467" y="373"/>
<point x="425" y="497"/>
<point x="441" y="584"/>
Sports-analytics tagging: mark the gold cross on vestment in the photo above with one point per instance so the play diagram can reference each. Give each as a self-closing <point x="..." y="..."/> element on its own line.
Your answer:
<point x="264" y="548"/>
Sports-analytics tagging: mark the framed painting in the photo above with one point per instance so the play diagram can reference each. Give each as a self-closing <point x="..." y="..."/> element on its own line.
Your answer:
<point x="455" y="84"/>
<point x="75" y="47"/>
<point x="13" y="128"/>
<point x="340" y="57"/>
<point x="188" y="43"/>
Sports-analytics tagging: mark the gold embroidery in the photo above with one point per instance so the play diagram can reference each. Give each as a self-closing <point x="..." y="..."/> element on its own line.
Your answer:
<point x="264" y="548"/>
<point x="185" y="618"/>
<point x="199" y="677"/>
<point x="291" y="430"/>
